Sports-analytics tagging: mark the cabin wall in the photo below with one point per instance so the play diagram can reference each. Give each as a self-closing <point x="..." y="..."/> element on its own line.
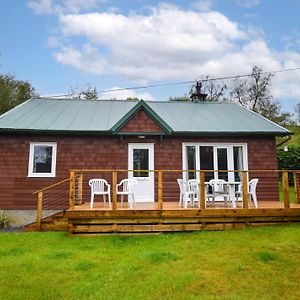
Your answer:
<point x="107" y="152"/>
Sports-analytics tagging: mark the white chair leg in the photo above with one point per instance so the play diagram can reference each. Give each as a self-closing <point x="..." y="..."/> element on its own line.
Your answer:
<point x="122" y="198"/>
<point x="254" y="200"/>
<point x="185" y="200"/>
<point x="133" y="200"/>
<point x="109" y="200"/>
<point x="92" y="200"/>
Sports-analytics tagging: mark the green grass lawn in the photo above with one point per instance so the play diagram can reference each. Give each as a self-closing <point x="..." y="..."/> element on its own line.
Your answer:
<point x="257" y="263"/>
<point x="291" y="193"/>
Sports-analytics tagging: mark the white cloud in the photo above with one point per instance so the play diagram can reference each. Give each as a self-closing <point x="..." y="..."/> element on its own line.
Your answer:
<point x="248" y="3"/>
<point x="44" y="7"/>
<point x="41" y="7"/>
<point x="169" y="44"/>
<point x="125" y="94"/>
<point x="202" y="5"/>
<point x="88" y="59"/>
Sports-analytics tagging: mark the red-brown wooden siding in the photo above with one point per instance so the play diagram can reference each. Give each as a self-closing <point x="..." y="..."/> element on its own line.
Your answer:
<point x="141" y="122"/>
<point x="106" y="152"/>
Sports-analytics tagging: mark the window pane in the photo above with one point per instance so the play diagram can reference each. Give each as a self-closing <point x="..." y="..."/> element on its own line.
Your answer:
<point x="191" y="161"/>
<point x="42" y="159"/>
<point x="207" y="161"/>
<point x="238" y="162"/>
<point x="141" y="162"/>
<point x="222" y="163"/>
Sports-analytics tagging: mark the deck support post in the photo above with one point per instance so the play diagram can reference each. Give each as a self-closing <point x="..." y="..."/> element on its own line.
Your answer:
<point x="245" y="189"/>
<point x="160" y="190"/>
<point x="202" y="190"/>
<point x="79" y="182"/>
<point x="296" y="186"/>
<point x="39" y="211"/>
<point x="72" y="190"/>
<point x="285" y="188"/>
<point x="114" y="190"/>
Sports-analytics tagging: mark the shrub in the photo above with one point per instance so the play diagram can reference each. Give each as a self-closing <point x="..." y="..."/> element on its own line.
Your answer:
<point x="4" y="220"/>
<point x="289" y="160"/>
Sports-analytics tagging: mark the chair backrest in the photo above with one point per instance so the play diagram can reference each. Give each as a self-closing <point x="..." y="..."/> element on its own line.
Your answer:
<point x="193" y="185"/>
<point x="252" y="185"/>
<point x="127" y="184"/>
<point x="182" y="185"/>
<point x="98" y="185"/>
<point x="218" y="185"/>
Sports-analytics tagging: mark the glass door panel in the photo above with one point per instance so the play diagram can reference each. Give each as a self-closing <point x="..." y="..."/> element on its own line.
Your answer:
<point x="222" y="163"/>
<point x="238" y="162"/>
<point x="207" y="161"/>
<point x="191" y="161"/>
<point x="141" y="162"/>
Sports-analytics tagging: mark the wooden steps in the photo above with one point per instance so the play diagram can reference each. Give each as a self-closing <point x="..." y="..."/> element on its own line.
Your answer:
<point x="56" y="222"/>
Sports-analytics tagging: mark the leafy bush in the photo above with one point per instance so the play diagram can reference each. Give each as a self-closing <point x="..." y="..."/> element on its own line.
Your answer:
<point x="4" y="220"/>
<point x="289" y="160"/>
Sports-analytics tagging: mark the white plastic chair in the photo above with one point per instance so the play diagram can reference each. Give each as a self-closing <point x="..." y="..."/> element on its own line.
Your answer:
<point x="193" y="186"/>
<point x="251" y="191"/>
<point x="186" y="196"/>
<point x="220" y="188"/>
<point x="99" y="187"/>
<point x="125" y="187"/>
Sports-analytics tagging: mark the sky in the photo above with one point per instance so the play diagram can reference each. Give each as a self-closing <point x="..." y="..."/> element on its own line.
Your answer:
<point x="61" y="44"/>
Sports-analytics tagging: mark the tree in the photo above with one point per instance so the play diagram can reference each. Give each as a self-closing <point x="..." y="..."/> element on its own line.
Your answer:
<point x="88" y="93"/>
<point x="254" y="93"/>
<point x="215" y="90"/>
<point x="14" y="92"/>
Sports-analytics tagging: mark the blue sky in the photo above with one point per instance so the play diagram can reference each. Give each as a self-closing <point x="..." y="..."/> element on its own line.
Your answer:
<point x="59" y="44"/>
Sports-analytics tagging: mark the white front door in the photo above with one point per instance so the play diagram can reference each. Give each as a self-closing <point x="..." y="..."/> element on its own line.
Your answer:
<point x="141" y="157"/>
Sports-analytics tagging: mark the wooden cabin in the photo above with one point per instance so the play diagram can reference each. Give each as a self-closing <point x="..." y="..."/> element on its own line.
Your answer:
<point x="41" y="140"/>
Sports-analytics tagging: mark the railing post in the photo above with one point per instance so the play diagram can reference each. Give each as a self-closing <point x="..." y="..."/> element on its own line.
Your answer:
<point x="72" y="190"/>
<point x="39" y="211"/>
<point x="285" y="189"/>
<point x="202" y="190"/>
<point x="245" y="189"/>
<point x="160" y="190"/>
<point x="296" y="187"/>
<point x="80" y="180"/>
<point x="114" y="191"/>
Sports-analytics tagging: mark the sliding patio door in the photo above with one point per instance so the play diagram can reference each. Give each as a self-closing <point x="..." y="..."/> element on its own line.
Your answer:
<point x="215" y="157"/>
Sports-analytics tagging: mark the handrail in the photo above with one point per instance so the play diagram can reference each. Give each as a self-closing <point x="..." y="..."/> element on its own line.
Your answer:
<point x="40" y="193"/>
<point x="51" y="186"/>
<point x="156" y="171"/>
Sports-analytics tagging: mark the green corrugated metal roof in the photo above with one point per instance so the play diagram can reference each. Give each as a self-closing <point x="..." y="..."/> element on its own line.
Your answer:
<point x="101" y="116"/>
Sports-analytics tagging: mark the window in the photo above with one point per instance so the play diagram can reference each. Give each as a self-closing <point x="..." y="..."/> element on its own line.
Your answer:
<point x="213" y="156"/>
<point x="141" y="162"/>
<point x="42" y="160"/>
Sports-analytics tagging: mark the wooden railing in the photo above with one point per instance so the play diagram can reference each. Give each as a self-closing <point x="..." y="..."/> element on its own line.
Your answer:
<point x="55" y="202"/>
<point x="76" y="187"/>
<point x="160" y="189"/>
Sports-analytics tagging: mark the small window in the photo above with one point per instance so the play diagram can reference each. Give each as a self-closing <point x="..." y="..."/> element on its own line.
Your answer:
<point x="42" y="160"/>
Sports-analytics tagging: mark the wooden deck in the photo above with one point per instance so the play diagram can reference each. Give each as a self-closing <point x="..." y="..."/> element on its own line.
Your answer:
<point x="147" y="218"/>
<point x="99" y="205"/>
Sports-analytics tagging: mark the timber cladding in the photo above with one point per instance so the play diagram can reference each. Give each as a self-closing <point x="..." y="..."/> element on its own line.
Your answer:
<point x="109" y="152"/>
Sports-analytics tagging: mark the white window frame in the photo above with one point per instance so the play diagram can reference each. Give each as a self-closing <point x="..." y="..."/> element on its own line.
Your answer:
<point x="53" y="162"/>
<point x="229" y="147"/>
